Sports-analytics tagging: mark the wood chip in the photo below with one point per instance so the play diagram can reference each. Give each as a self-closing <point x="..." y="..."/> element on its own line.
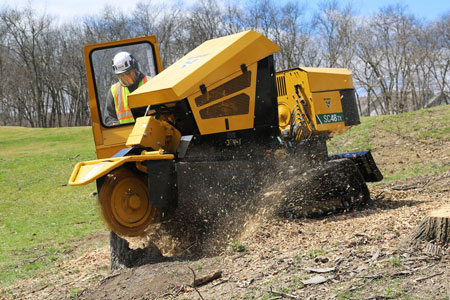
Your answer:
<point x="320" y="270"/>
<point x="428" y="277"/>
<point x="315" y="280"/>
<point x="207" y="279"/>
<point x="284" y="295"/>
<point x="375" y="255"/>
<point x="402" y="273"/>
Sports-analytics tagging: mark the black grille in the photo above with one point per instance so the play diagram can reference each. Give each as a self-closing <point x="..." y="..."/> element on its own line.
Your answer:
<point x="236" y="84"/>
<point x="281" y="85"/>
<point x="237" y="105"/>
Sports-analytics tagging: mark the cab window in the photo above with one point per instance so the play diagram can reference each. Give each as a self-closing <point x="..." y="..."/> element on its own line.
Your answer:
<point x="103" y="74"/>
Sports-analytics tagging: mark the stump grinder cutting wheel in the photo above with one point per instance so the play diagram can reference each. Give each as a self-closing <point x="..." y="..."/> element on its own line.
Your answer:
<point x="123" y="199"/>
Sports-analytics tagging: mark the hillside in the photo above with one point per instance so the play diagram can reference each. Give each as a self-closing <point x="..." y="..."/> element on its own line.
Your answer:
<point x="54" y="246"/>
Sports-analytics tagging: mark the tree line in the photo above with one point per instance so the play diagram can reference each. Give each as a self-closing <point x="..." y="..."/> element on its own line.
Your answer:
<point x="398" y="61"/>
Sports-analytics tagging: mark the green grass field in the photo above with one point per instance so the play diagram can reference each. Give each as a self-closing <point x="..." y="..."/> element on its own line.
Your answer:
<point x="40" y="215"/>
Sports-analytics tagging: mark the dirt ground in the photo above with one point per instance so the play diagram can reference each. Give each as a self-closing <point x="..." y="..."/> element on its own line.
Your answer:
<point x="355" y="255"/>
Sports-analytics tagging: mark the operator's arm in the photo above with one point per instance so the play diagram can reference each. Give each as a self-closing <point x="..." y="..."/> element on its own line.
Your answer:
<point x="109" y="112"/>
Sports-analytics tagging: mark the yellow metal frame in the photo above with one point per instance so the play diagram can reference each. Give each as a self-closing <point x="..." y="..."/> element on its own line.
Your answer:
<point x="108" y="141"/>
<point x="87" y="171"/>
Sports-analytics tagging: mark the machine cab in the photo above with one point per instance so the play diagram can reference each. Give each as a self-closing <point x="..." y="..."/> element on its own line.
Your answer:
<point x="100" y="77"/>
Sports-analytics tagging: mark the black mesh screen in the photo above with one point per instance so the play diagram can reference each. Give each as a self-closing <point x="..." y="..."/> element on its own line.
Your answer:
<point x="228" y="88"/>
<point x="237" y="105"/>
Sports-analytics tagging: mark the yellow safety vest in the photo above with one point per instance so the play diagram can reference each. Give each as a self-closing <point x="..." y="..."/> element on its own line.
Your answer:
<point x="120" y="94"/>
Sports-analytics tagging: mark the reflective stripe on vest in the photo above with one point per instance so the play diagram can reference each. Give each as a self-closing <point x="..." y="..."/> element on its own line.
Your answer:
<point x="120" y="94"/>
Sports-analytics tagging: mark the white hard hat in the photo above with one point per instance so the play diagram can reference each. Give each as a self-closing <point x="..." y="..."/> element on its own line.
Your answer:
<point x="124" y="61"/>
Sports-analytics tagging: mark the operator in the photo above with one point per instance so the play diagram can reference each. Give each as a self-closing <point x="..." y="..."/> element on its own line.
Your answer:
<point x="126" y="68"/>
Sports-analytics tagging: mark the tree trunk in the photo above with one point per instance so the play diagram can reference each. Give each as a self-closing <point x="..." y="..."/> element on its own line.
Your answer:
<point x="435" y="227"/>
<point x="124" y="257"/>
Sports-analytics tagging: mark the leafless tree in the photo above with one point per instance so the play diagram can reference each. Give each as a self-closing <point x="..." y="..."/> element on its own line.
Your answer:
<point x="398" y="62"/>
<point x="384" y="46"/>
<point x="438" y="57"/>
<point x="27" y="52"/>
<point x="335" y="27"/>
<point x="164" y="22"/>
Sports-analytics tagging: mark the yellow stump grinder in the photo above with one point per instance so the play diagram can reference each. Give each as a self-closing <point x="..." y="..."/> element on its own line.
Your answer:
<point x="215" y="127"/>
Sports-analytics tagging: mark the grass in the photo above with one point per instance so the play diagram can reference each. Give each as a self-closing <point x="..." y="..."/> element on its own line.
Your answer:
<point x="74" y="292"/>
<point x="395" y="262"/>
<point x="39" y="213"/>
<point x="357" y="139"/>
<point x="236" y="246"/>
<point x="298" y="258"/>
<point x="296" y="282"/>
<point x="432" y="123"/>
<point x="313" y="253"/>
<point x="431" y="126"/>
<point x="418" y="170"/>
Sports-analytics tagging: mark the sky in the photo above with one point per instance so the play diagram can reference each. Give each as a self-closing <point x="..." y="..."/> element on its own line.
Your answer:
<point x="66" y="10"/>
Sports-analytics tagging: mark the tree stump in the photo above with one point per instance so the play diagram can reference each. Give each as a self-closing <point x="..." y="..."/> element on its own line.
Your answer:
<point x="124" y="257"/>
<point x="435" y="227"/>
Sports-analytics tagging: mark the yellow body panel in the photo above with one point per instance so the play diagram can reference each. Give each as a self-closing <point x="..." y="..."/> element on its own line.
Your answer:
<point x="152" y="133"/>
<point x="207" y="64"/>
<point x="325" y="84"/>
<point x="237" y="118"/>
<point x="328" y="79"/>
<point x="88" y="171"/>
<point x="328" y="111"/>
<point x="113" y="140"/>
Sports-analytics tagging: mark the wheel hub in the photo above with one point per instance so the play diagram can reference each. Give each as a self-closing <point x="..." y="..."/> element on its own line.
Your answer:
<point x="126" y="198"/>
<point x="134" y="202"/>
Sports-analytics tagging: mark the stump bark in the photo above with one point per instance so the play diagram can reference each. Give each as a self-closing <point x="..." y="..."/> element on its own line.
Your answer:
<point x="435" y="227"/>
<point x="124" y="257"/>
